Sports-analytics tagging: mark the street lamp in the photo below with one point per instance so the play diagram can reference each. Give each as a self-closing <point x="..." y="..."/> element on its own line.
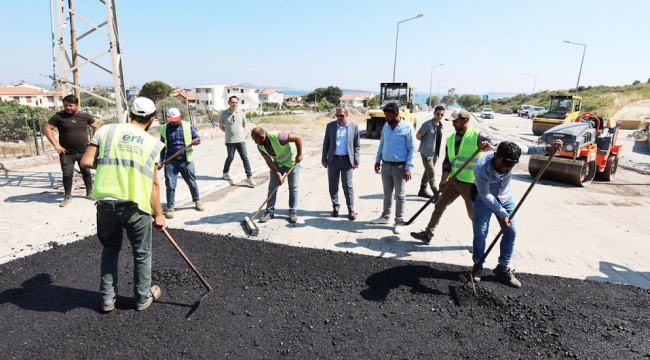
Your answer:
<point x="534" y="83"/>
<point x="439" y="90"/>
<point x="584" y="49"/>
<point x="431" y="82"/>
<point x="397" y="37"/>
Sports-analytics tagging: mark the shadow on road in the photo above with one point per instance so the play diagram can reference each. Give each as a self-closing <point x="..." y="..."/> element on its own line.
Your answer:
<point x="625" y="272"/>
<point x="43" y="197"/>
<point x="219" y="219"/>
<point x="29" y="179"/>
<point x="380" y="284"/>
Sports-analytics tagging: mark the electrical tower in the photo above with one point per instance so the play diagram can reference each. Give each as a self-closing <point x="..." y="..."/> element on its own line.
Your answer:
<point x="70" y="54"/>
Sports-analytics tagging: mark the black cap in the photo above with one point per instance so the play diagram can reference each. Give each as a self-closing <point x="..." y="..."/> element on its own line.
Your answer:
<point x="391" y="108"/>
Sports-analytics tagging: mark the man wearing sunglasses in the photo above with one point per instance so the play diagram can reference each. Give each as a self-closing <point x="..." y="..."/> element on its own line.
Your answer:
<point x="340" y="157"/>
<point x="492" y="175"/>
<point x="430" y="136"/>
<point x="233" y="123"/>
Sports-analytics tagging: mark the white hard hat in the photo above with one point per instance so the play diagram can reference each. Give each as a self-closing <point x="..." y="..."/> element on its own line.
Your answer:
<point x="143" y="106"/>
<point x="173" y="114"/>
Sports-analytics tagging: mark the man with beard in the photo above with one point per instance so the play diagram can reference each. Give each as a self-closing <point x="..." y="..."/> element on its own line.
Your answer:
<point x="396" y="152"/>
<point x="73" y="141"/>
<point x="459" y="147"/>
<point x="127" y="193"/>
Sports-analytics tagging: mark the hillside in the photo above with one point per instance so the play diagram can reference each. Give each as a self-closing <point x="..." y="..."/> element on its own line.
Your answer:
<point x="601" y="100"/>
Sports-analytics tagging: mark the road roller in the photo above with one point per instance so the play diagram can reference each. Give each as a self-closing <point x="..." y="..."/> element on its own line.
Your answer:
<point x="561" y="109"/>
<point x="590" y="150"/>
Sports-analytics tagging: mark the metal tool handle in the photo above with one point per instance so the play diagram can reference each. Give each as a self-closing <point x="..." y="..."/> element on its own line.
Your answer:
<point x="496" y="238"/>
<point x="273" y="192"/>
<point x="175" y="155"/>
<point x="439" y="190"/>
<point x="187" y="260"/>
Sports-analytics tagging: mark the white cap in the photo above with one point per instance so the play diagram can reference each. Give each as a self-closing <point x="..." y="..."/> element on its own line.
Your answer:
<point x="143" y="106"/>
<point x="173" y="114"/>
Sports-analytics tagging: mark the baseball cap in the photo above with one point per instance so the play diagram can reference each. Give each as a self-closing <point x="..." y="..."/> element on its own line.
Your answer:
<point x="391" y="108"/>
<point x="173" y="114"/>
<point x="458" y="114"/>
<point x="143" y="106"/>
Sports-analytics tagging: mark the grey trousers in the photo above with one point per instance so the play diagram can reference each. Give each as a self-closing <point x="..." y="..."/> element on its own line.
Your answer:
<point x="429" y="173"/>
<point x="391" y="177"/>
<point x="341" y="168"/>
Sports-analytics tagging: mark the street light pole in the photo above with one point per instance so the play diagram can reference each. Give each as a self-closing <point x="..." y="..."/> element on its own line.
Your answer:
<point x="439" y="90"/>
<point x="431" y="82"/>
<point x="492" y="96"/>
<point x="584" y="49"/>
<point x="534" y="83"/>
<point x="396" y="38"/>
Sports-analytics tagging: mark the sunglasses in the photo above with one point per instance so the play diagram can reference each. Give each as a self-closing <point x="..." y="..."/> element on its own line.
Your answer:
<point x="340" y="115"/>
<point x="440" y="114"/>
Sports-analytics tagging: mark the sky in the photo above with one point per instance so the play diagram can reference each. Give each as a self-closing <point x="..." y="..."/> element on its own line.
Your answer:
<point x="485" y="46"/>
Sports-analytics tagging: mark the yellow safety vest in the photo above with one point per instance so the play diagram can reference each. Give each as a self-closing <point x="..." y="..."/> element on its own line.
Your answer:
<point x="125" y="165"/>
<point x="467" y="148"/>
<point x="285" y="155"/>
<point x="187" y="138"/>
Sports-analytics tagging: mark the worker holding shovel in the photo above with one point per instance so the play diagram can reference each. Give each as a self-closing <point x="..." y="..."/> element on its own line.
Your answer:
<point x="492" y="175"/>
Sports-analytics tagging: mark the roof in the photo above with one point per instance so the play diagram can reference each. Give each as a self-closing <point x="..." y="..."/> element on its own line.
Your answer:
<point x="267" y="91"/>
<point x="356" y="96"/>
<point x="25" y="90"/>
<point x="191" y="95"/>
<point x="288" y="97"/>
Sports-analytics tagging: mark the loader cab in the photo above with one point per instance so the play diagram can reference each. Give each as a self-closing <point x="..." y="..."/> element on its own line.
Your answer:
<point x="400" y="93"/>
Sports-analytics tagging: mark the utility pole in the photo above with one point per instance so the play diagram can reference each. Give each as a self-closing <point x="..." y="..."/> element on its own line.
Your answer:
<point x="396" y="38"/>
<point x="584" y="49"/>
<point x="431" y="82"/>
<point x="534" y="83"/>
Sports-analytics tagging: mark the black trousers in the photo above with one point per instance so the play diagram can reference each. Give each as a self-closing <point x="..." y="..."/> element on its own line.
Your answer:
<point x="67" y="167"/>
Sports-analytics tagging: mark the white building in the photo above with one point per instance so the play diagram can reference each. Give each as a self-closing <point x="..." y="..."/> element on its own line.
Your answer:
<point x="270" y="96"/>
<point x="30" y="95"/>
<point x="216" y="97"/>
<point x="356" y="99"/>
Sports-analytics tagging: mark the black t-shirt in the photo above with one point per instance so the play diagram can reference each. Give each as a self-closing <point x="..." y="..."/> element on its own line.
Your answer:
<point x="73" y="136"/>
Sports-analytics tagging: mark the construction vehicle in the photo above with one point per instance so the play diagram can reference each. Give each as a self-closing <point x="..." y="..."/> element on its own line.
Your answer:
<point x="562" y="109"/>
<point x="400" y="93"/>
<point x="589" y="150"/>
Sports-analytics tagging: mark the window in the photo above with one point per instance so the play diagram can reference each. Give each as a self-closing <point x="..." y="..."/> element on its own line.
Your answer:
<point x="17" y="98"/>
<point x="242" y="102"/>
<point x="50" y="99"/>
<point x="198" y="91"/>
<point x="29" y="99"/>
<point x="228" y="91"/>
<point x="198" y="102"/>
<point x="208" y="91"/>
<point x="242" y="91"/>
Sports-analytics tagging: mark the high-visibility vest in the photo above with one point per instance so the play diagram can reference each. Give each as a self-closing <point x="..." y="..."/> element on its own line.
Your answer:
<point x="467" y="148"/>
<point x="285" y="155"/>
<point x="125" y="165"/>
<point x="187" y="137"/>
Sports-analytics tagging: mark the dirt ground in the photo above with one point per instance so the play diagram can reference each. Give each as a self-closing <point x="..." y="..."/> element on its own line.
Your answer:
<point x="275" y="302"/>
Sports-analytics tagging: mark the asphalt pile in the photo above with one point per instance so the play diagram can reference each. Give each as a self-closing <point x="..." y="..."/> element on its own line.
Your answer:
<point x="276" y="302"/>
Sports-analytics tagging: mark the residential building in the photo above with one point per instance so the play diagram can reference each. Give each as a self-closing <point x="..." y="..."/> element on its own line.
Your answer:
<point x="270" y="95"/>
<point x="292" y="98"/>
<point x="184" y="95"/>
<point x="216" y="97"/>
<point x="30" y="95"/>
<point x="356" y="99"/>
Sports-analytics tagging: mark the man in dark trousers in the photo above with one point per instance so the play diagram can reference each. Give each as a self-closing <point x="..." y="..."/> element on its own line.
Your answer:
<point x="73" y="141"/>
<point x="340" y="157"/>
<point x="430" y="136"/>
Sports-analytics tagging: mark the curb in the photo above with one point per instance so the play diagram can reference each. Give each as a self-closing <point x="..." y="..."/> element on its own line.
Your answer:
<point x="632" y="168"/>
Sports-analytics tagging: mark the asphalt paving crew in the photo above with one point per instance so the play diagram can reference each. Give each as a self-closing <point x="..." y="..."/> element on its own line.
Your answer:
<point x="73" y="141"/>
<point x="233" y="123"/>
<point x="127" y="193"/>
<point x="459" y="147"/>
<point x="430" y="136"/>
<point x="176" y="135"/>
<point x="282" y="151"/>
<point x="492" y="175"/>
<point x="340" y="157"/>
<point x="395" y="161"/>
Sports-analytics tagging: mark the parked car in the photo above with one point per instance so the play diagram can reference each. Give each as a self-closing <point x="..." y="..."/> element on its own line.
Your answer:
<point x="523" y="110"/>
<point x="487" y="113"/>
<point x="506" y="111"/>
<point x="535" y="111"/>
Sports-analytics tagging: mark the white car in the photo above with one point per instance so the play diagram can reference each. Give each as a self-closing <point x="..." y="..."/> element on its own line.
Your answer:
<point x="487" y="113"/>
<point x="523" y="110"/>
<point x="535" y="111"/>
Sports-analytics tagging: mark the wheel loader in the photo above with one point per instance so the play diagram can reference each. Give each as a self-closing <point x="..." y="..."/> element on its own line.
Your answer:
<point x="589" y="151"/>
<point x="400" y="93"/>
<point x="562" y="109"/>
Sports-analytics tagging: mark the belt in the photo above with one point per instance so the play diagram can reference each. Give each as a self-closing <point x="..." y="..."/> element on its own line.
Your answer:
<point x="394" y="162"/>
<point x="341" y="156"/>
<point x="117" y="205"/>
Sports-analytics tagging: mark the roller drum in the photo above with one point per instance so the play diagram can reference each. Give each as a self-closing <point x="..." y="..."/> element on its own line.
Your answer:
<point x="576" y="172"/>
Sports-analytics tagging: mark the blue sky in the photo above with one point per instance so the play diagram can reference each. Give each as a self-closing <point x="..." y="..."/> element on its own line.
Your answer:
<point x="350" y="44"/>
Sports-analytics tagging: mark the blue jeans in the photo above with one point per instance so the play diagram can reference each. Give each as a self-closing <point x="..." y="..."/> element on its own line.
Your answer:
<point x="171" y="174"/>
<point x="243" y="154"/>
<point x="292" y="179"/>
<point x="482" y="215"/>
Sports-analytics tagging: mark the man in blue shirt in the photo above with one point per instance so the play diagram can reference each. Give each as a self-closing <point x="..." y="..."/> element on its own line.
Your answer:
<point x="175" y="139"/>
<point x="492" y="175"/>
<point x="396" y="152"/>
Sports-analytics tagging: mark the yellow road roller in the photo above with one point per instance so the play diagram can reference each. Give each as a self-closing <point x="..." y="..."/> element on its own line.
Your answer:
<point x="400" y="93"/>
<point x="562" y="109"/>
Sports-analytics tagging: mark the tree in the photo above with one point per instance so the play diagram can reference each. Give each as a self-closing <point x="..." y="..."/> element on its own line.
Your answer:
<point x="155" y="90"/>
<point x="171" y="102"/>
<point x="331" y="93"/>
<point x="636" y="82"/>
<point x="467" y="101"/>
<point x="433" y="100"/>
<point x="374" y="101"/>
<point x="450" y="98"/>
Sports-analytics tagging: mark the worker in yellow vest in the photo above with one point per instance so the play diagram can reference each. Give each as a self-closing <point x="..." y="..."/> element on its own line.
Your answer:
<point x="281" y="151"/>
<point x="176" y="135"/>
<point x="459" y="147"/>
<point x="126" y="189"/>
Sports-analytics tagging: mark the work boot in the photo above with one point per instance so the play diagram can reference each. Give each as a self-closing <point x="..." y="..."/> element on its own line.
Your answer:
<point x="293" y="218"/>
<point x="352" y="215"/>
<point x="422" y="236"/>
<point x="507" y="276"/>
<point x="199" y="206"/>
<point x="155" y="294"/>
<point x="266" y="217"/>
<point x="89" y="195"/>
<point x="425" y="193"/>
<point x="335" y="212"/>
<point x="65" y="202"/>
<point x="170" y="213"/>
<point x="251" y="182"/>
<point x="108" y="305"/>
